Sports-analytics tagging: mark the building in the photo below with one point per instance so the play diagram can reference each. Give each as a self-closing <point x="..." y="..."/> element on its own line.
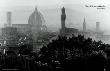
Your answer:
<point x="84" y="26"/>
<point x="35" y="21"/>
<point x="97" y="26"/>
<point x="10" y="39"/>
<point x="95" y="35"/>
<point x="14" y="34"/>
<point x="9" y="33"/>
<point x="64" y="30"/>
<point x="22" y="28"/>
<point x="36" y="24"/>
<point x="9" y="15"/>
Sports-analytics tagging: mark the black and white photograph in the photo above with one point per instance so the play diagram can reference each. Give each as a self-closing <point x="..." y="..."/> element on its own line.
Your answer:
<point x="54" y="35"/>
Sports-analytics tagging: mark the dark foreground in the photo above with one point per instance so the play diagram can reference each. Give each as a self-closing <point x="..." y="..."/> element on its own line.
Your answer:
<point x="62" y="54"/>
<point x="33" y="63"/>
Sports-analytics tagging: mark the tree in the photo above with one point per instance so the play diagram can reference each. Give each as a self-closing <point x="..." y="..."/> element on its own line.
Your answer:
<point x="25" y="49"/>
<point x="69" y="52"/>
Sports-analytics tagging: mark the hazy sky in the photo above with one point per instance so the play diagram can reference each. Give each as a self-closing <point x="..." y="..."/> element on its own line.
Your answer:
<point x="50" y="2"/>
<point x="102" y="16"/>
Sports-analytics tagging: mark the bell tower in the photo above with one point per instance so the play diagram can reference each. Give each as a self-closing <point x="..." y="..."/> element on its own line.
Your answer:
<point x="9" y="14"/>
<point x="63" y="18"/>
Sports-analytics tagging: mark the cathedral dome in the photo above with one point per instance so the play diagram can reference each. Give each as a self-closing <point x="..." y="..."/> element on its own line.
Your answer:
<point x="35" y="19"/>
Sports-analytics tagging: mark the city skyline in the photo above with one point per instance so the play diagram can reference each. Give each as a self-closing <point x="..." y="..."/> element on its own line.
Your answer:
<point x="75" y="18"/>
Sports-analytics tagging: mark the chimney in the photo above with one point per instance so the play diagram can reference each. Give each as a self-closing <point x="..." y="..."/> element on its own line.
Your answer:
<point x="9" y="18"/>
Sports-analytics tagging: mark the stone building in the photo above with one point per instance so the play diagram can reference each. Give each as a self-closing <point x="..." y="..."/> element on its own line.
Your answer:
<point x="36" y="24"/>
<point x="64" y="30"/>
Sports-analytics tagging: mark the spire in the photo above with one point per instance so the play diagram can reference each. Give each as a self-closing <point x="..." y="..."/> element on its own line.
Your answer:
<point x="36" y="10"/>
<point x="63" y="10"/>
<point x="84" y="25"/>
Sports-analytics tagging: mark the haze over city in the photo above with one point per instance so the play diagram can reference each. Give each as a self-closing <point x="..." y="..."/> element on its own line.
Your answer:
<point x="75" y="10"/>
<point x="54" y="35"/>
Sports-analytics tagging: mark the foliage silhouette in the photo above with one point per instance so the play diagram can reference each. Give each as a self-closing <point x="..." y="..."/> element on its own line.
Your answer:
<point x="72" y="53"/>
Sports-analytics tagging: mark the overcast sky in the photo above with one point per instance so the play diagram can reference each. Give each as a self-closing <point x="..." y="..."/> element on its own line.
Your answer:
<point x="102" y="16"/>
<point x="50" y="2"/>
